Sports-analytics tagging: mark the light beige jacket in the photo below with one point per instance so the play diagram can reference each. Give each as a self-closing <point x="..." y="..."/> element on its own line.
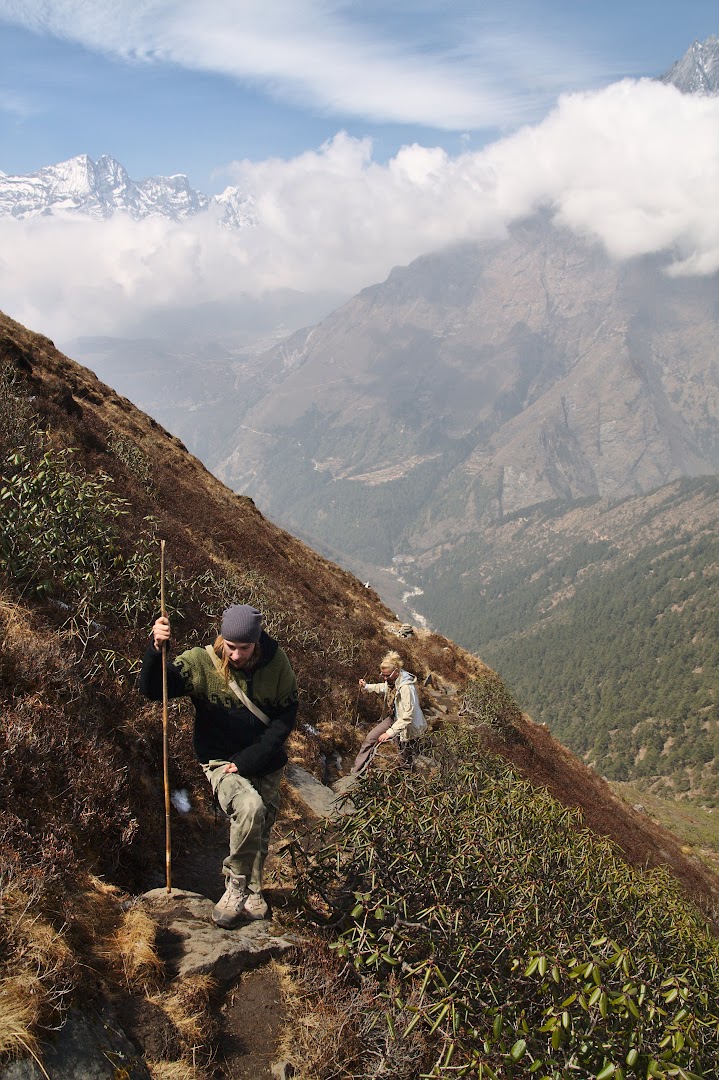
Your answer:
<point x="409" y="721"/>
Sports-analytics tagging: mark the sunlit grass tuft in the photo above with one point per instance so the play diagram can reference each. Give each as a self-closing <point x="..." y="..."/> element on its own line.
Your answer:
<point x="18" y="1016"/>
<point x="134" y="945"/>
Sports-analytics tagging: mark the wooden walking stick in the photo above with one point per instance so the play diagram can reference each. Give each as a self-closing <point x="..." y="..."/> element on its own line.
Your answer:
<point x="165" y="741"/>
<point x="359" y="691"/>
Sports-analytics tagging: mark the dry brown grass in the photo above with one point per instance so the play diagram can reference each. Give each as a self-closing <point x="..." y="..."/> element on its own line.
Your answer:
<point x="173" y="1070"/>
<point x="133" y="945"/>
<point x="18" y="1016"/>
<point x="43" y="948"/>
<point x="18" y="640"/>
<point x="37" y="973"/>
<point x="14" y="617"/>
<point x="189" y="1007"/>
<point x="336" y="1025"/>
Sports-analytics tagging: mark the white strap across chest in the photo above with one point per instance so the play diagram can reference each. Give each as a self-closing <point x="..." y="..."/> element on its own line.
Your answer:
<point x="237" y="690"/>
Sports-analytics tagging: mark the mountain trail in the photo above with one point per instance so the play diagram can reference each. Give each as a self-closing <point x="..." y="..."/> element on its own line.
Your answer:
<point x="250" y="1008"/>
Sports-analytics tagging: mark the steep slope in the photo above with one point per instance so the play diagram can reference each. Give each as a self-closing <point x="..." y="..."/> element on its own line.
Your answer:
<point x="697" y="72"/>
<point x="89" y="484"/>
<point x="418" y="427"/>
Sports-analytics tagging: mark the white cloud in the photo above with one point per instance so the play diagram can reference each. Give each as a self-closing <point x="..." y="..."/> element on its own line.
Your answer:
<point x="451" y="68"/>
<point x="635" y="167"/>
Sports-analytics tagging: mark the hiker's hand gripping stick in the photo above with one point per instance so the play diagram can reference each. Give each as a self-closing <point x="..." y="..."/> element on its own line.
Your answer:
<point x="161" y="632"/>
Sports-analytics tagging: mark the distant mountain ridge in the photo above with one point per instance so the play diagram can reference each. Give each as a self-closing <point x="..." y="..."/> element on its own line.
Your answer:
<point x="99" y="189"/>
<point x="697" y="72"/>
<point x="475" y="383"/>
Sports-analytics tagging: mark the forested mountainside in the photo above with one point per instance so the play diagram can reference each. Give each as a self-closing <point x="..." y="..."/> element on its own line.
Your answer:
<point x="548" y="880"/>
<point x="602" y="619"/>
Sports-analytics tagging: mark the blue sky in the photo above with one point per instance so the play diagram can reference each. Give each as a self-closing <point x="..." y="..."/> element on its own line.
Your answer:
<point x="363" y="134"/>
<point x="189" y="86"/>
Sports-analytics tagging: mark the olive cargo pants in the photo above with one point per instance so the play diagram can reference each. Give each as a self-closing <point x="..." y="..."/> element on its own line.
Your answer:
<point x="251" y="804"/>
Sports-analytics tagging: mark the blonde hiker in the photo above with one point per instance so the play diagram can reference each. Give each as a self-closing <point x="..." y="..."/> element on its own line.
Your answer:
<point x="404" y="719"/>
<point x="245" y="696"/>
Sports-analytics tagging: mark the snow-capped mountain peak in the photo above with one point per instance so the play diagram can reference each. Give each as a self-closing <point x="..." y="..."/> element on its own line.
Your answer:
<point x="698" y="70"/>
<point x="99" y="189"/>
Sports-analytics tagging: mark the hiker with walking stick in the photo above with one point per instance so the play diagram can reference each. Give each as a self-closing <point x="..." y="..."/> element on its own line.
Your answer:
<point x="402" y="717"/>
<point x="245" y="696"/>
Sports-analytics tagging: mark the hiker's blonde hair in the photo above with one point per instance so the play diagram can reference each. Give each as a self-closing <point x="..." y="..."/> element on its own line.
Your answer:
<point x="219" y="648"/>
<point x="391" y="659"/>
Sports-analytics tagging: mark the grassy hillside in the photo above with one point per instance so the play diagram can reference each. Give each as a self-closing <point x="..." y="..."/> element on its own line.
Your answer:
<point x="88" y="486"/>
<point x="612" y="642"/>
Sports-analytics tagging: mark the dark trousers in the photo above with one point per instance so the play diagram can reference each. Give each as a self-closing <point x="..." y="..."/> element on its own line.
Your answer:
<point x="371" y="741"/>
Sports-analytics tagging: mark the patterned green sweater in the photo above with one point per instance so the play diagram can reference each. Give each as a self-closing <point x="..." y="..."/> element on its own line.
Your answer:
<point x="225" y="729"/>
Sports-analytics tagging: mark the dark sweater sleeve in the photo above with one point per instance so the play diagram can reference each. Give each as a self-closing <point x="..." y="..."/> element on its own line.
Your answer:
<point x="256" y="760"/>
<point x="151" y="677"/>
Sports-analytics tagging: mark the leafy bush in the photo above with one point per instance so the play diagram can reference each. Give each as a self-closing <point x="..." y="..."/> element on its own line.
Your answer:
<point x="520" y="943"/>
<point x="58" y="528"/>
<point x="487" y="701"/>
<point x="61" y="536"/>
<point x="17" y="425"/>
<point x="134" y="459"/>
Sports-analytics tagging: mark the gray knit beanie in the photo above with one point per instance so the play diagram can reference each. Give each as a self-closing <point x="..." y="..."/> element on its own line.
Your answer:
<point x="241" y="623"/>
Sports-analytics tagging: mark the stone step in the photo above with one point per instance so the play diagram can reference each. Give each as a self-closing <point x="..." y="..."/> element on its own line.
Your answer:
<point x="90" y="1044"/>
<point x="189" y="943"/>
<point x="321" y="800"/>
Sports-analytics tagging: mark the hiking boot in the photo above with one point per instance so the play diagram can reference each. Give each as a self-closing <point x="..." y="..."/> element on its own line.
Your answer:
<point x="228" y="912"/>
<point x="256" y="906"/>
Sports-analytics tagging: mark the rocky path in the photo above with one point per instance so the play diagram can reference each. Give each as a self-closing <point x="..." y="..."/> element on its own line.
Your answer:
<point x="102" y="1042"/>
<point x="252" y="1013"/>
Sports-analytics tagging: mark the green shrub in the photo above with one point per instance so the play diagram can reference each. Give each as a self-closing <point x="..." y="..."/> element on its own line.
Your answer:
<point x="521" y="943"/>
<point x="487" y="701"/>
<point x="135" y="591"/>
<point x="136" y="461"/>
<point x="17" y="421"/>
<point x="58" y="530"/>
<point x="61" y="537"/>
